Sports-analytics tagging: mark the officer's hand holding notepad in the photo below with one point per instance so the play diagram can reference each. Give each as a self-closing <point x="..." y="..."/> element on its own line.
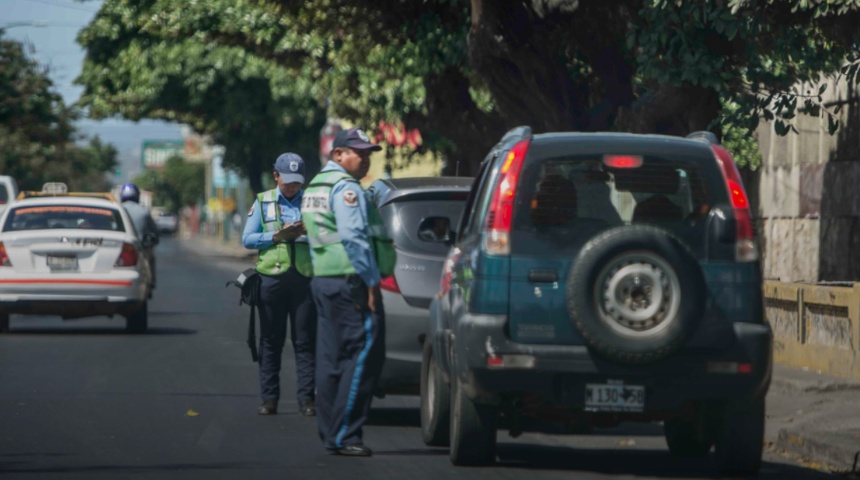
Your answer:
<point x="289" y="232"/>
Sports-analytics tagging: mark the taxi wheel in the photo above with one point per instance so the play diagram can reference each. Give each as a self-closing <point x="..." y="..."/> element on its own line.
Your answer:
<point x="473" y="429"/>
<point x="435" y="401"/>
<point x="4" y="322"/>
<point x="137" y="321"/>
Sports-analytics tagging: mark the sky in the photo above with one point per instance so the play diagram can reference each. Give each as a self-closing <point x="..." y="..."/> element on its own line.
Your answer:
<point x="49" y="27"/>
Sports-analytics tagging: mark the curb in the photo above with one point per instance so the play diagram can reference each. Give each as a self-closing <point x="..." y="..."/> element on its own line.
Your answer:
<point x="826" y="448"/>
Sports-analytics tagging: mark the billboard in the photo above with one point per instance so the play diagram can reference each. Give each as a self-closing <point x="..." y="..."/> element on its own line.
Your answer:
<point x="155" y="153"/>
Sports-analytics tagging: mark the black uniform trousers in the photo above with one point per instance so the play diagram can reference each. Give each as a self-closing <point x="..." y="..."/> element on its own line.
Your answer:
<point x="350" y="355"/>
<point x="283" y="296"/>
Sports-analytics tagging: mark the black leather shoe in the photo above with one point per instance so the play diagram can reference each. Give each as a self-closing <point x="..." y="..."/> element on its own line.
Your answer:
<point x="308" y="408"/>
<point x="357" y="450"/>
<point x="269" y="407"/>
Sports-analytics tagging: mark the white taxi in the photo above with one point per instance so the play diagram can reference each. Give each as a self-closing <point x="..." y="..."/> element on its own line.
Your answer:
<point x="74" y="256"/>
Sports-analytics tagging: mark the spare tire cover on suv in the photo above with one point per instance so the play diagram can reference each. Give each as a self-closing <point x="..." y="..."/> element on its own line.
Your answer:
<point x="635" y="293"/>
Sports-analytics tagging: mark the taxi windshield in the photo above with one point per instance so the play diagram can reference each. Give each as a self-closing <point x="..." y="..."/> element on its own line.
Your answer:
<point x="79" y="217"/>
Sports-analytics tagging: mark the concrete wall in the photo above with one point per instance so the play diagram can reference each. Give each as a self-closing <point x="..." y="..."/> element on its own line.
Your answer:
<point x="807" y="195"/>
<point x="815" y="326"/>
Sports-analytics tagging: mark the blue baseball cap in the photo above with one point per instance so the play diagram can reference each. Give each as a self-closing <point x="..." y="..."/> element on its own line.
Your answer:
<point x="355" y="139"/>
<point x="291" y="168"/>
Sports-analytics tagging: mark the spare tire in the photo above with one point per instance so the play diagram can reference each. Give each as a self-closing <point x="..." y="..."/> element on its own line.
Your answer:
<point x="636" y="294"/>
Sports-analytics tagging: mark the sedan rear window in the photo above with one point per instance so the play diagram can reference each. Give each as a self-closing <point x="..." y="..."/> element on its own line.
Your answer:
<point x="63" y="216"/>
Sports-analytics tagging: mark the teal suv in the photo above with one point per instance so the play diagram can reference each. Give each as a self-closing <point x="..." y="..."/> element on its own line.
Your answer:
<point x="596" y="278"/>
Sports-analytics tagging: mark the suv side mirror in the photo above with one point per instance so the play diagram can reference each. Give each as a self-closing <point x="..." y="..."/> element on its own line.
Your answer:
<point x="149" y="240"/>
<point x="435" y="229"/>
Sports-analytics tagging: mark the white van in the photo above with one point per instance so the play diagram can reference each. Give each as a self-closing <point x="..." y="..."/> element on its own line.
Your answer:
<point x="8" y="191"/>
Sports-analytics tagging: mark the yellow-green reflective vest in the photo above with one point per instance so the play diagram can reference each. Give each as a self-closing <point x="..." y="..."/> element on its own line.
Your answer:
<point x="329" y="254"/>
<point x="276" y="260"/>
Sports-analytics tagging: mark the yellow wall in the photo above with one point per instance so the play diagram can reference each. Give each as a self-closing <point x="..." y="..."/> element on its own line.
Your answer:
<point x="419" y="166"/>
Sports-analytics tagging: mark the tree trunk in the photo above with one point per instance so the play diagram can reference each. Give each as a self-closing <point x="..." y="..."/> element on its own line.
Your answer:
<point x="452" y="112"/>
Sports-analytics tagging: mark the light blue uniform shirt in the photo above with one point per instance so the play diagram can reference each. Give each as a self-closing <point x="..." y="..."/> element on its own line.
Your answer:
<point x="253" y="237"/>
<point x="351" y="223"/>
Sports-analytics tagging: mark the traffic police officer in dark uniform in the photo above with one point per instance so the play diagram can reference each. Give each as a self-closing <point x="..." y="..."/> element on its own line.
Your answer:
<point x="274" y="227"/>
<point x="350" y="250"/>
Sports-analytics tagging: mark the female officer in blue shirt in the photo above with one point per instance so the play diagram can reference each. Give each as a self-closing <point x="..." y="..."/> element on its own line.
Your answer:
<point x="285" y="268"/>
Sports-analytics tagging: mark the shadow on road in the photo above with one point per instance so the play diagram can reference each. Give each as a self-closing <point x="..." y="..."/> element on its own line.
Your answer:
<point x="394" y="417"/>
<point x="118" y="331"/>
<point x="25" y="467"/>
<point x="651" y="463"/>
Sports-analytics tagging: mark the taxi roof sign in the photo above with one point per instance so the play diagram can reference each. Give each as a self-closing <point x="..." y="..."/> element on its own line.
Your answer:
<point x="55" y="188"/>
<point x="60" y="189"/>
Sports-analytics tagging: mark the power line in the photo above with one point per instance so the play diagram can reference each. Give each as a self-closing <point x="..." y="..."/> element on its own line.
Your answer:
<point x="40" y="24"/>
<point x="72" y="7"/>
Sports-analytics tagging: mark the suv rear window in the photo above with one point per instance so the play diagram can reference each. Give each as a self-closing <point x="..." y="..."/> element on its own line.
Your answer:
<point x="63" y="216"/>
<point x="563" y="202"/>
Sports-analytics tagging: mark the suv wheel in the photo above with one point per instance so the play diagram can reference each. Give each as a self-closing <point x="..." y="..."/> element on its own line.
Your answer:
<point x="636" y="294"/>
<point x="741" y="438"/>
<point x="473" y="429"/>
<point x="435" y="401"/>
<point x="137" y="321"/>
<point x="689" y="437"/>
<point x="4" y="322"/>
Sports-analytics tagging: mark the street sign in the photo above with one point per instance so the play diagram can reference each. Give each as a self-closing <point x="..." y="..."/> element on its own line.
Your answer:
<point x="155" y="153"/>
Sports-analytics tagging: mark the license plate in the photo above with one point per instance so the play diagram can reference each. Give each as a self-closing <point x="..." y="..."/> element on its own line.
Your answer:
<point x="614" y="397"/>
<point x="62" y="263"/>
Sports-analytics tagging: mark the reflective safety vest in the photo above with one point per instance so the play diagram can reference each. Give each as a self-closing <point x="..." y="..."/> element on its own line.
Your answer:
<point x="329" y="254"/>
<point x="278" y="258"/>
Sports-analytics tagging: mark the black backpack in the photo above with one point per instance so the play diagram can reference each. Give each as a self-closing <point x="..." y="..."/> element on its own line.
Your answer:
<point x="249" y="286"/>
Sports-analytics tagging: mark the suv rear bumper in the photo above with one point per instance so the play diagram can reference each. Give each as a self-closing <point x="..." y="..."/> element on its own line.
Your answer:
<point x="559" y="373"/>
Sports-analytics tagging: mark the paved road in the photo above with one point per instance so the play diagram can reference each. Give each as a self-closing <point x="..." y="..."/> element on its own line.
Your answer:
<point x="83" y="400"/>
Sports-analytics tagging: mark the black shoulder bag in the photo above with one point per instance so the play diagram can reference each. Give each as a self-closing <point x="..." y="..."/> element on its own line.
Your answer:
<point x="249" y="285"/>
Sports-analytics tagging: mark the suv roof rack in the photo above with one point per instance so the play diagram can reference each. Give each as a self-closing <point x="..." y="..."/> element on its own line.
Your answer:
<point x="704" y="136"/>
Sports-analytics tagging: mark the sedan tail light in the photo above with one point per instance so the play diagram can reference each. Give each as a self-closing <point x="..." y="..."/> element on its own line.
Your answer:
<point x="4" y="257"/>
<point x="389" y="283"/>
<point x="128" y="256"/>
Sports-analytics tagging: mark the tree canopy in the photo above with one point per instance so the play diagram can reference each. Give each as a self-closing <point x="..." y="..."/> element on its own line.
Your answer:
<point x="262" y="74"/>
<point x="38" y="140"/>
<point x="176" y="185"/>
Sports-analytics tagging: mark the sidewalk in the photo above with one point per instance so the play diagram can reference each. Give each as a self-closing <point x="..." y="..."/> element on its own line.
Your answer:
<point x="814" y="417"/>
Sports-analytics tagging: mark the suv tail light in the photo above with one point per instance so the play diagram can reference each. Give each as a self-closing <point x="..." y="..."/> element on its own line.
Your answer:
<point x="4" y="257"/>
<point x="128" y="256"/>
<point x="745" y="245"/>
<point x="500" y="216"/>
<point x="389" y="283"/>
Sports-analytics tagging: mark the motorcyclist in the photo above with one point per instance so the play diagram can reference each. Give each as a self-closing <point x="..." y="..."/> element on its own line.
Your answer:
<point x="144" y="225"/>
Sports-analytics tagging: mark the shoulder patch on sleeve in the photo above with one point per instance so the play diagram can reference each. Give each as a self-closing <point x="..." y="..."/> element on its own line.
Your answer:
<point x="251" y="211"/>
<point x="350" y="198"/>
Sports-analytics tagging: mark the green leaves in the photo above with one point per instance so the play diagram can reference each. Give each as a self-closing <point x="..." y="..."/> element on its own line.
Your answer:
<point x="247" y="71"/>
<point x="38" y="140"/>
